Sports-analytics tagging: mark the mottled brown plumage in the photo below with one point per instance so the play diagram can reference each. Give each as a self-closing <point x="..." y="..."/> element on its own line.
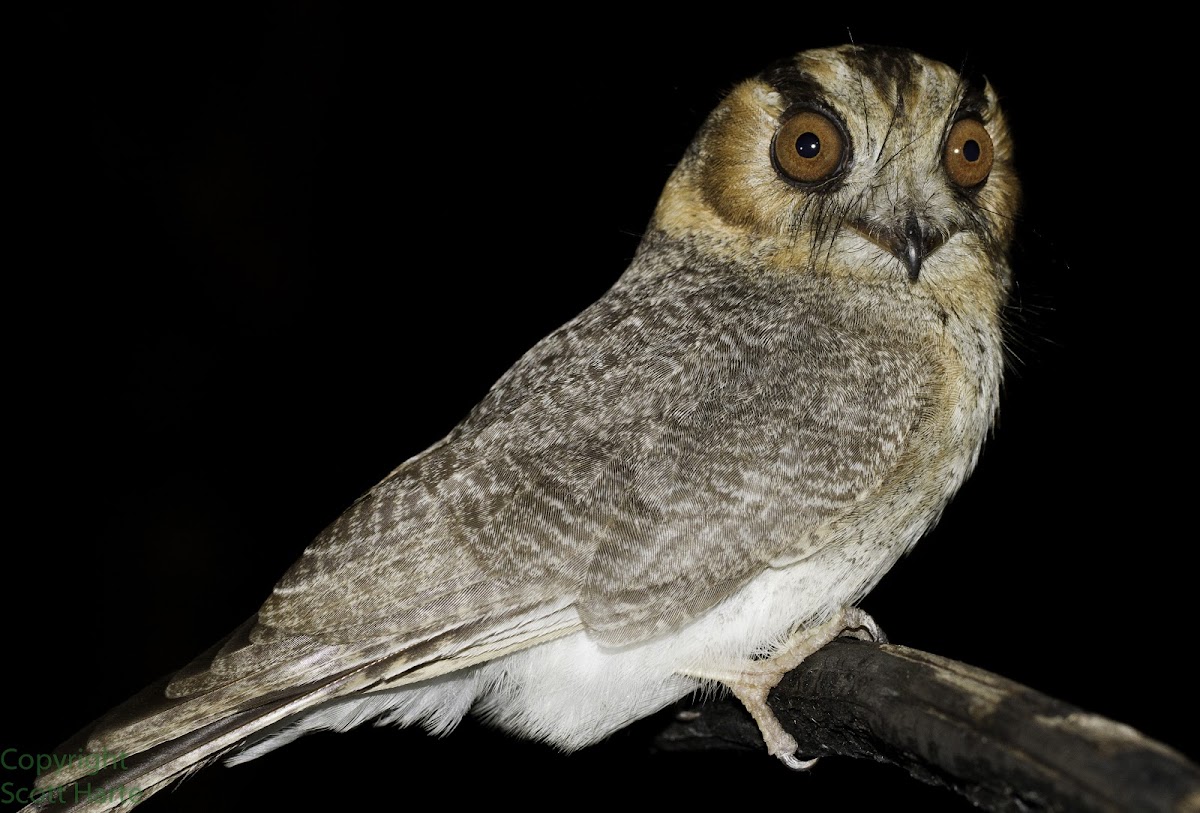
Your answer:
<point x="772" y="404"/>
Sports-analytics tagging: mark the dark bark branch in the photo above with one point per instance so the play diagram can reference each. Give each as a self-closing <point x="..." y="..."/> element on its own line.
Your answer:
<point x="1000" y="744"/>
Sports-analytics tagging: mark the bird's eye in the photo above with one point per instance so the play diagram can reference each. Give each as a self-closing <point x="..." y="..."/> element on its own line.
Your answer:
<point x="809" y="148"/>
<point x="968" y="155"/>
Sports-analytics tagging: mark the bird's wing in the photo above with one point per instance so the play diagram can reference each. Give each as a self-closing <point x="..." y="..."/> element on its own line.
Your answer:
<point x="788" y="441"/>
<point x="634" y="468"/>
<point x="642" y="462"/>
<point x="786" y="409"/>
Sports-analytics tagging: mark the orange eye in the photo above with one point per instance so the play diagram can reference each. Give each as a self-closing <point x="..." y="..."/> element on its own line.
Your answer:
<point x="809" y="148"/>
<point x="968" y="156"/>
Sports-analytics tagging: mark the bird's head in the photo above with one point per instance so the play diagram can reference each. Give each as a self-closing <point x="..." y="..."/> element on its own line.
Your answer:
<point x="865" y="161"/>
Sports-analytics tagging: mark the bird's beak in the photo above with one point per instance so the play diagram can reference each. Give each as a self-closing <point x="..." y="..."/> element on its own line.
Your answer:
<point x="911" y="242"/>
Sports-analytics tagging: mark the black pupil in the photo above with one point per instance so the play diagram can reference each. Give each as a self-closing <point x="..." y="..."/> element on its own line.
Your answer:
<point x="971" y="150"/>
<point x="809" y="146"/>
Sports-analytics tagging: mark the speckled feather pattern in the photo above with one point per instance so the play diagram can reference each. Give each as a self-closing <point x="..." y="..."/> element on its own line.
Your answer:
<point x="623" y="461"/>
<point x="737" y="440"/>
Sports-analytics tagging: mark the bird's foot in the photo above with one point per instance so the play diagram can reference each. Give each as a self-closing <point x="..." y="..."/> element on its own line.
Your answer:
<point x="752" y="682"/>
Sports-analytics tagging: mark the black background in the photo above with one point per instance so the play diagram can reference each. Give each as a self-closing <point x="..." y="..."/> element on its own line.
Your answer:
<point x="262" y="256"/>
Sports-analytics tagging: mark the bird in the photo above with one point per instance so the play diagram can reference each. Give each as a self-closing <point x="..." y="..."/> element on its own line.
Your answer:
<point x="690" y="485"/>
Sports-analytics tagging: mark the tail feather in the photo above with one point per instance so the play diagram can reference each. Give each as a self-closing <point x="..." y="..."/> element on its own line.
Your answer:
<point x="135" y="778"/>
<point x="164" y="732"/>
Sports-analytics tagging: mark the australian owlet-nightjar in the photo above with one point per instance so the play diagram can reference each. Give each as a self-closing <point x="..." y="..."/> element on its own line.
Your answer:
<point x="691" y="483"/>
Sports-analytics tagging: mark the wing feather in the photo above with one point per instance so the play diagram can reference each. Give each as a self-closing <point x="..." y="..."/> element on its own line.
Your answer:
<point x="634" y="468"/>
<point x="643" y="461"/>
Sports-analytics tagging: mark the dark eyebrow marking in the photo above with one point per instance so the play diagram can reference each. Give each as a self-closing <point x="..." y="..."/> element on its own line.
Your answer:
<point x="884" y="67"/>
<point x="793" y="84"/>
<point x="973" y="104"/>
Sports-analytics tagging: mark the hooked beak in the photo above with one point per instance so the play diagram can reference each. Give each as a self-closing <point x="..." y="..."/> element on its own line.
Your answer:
<point x="911" y="242"/>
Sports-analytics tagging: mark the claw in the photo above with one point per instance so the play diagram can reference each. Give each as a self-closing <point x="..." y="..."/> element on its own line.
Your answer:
<point x="751" y="682"/>
<point x="862" y="626"/>
<point x="797" y="764"/>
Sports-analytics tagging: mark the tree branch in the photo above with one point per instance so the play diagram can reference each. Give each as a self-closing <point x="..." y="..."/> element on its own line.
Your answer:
<point x="1002" y="745"/>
